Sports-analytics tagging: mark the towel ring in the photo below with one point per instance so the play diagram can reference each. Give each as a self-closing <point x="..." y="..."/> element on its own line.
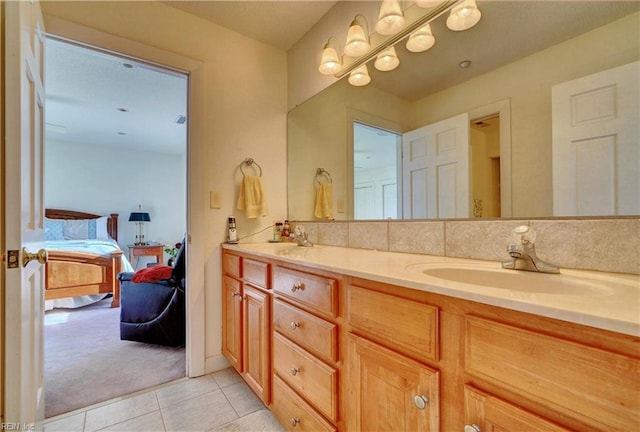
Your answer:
<point x="322" y="172"/>
<point x="250" y="162"/>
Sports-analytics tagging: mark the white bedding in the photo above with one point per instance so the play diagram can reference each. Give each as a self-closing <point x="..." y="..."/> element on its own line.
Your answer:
<point x="96" y="246"/>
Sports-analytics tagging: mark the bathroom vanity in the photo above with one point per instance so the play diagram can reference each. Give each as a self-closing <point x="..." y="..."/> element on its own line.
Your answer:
<point x="349" y="339"/>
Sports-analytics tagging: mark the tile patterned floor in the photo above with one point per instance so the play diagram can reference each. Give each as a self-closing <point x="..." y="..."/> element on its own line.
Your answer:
<point x="217" y="402"/>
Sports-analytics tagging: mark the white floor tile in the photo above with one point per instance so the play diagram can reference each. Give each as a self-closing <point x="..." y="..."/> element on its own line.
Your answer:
<point x="201" y="413"/>
<point x="227" y="377"/>
<point x="243" y="399"/>
<point x="72" y="423"/>
<point x="186" y="389"/>
<point x="151" y="422"/>
<point x="117" y="412"/>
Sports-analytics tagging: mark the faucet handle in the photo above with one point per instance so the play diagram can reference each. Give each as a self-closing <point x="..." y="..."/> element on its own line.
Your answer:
<point x="524" y="234"/>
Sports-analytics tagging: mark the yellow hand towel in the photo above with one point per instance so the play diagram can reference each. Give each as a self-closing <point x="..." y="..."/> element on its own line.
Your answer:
<point x="324" y="201"/>
<point x="251" y="197"/>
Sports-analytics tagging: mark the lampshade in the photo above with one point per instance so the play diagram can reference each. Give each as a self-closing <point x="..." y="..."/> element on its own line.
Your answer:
<point x="330" y="63"/>
<point x="139" y="217"/>
<point x="421" y="39"/>
<point x="428" y="3"/>
<point x="357" y="40"/>
<point x="360" y="76"/>
<point x="464" y="16"/>
<point x="390" y="19"/>
<point x="387" y="60"/>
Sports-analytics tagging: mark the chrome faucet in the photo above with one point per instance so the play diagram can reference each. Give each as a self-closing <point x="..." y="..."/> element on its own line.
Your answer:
<point x="300" y="236"/>
<point x="523" y="252"/>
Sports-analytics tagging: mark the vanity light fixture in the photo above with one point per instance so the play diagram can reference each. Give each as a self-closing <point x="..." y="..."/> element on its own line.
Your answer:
<point x="357" y="38"/>
<point x="464" y="16"/>
<point x="360" y="77"/>
<point x="390" y="19"/>
<point x="330" y="63"/>
<point x="421" y="39"/>
<point x="387" y="60"/>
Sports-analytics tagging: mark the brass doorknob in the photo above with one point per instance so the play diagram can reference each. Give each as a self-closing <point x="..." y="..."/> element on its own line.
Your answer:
<point x="41" y="256"/>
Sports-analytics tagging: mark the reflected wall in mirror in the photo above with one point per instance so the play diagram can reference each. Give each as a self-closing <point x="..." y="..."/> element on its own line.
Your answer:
<point x="320" y="131"/>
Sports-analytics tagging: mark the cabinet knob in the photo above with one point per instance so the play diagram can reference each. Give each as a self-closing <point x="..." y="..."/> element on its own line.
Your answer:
<point x="421" y="401"/>
<point x="471" y="428"/>
<point x="294" y="421"/>
<point x="294" y="371"/>
<point x="294" y="325"/>
<point x="297" y="286"/>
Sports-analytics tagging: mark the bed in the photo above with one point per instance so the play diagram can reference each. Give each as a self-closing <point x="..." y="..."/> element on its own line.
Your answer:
<point x="84" y="258"/>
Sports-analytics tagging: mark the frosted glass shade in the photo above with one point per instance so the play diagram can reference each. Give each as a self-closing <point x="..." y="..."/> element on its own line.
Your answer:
<point x="360" y="76"/>
<point x="421" y="39"/>
<point x="391" y="19"/>
<point x="387" y="60"/>
<point x="464" y="16"/>
<point x="357" y="41"/>
<point x="330" y="63"/>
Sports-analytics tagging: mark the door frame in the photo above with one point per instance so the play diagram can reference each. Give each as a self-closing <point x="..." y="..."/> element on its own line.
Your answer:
<point x="194" y="69"/>
<point x="503" y="109"/>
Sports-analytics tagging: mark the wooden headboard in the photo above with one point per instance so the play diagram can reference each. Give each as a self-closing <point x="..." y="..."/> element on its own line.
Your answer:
<point x="112" y="220"/>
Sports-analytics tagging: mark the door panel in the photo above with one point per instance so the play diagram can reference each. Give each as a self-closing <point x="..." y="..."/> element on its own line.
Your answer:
<point x="435" y="169"/>
<point x="596" y="157"/>
<point x="24" y="117"/>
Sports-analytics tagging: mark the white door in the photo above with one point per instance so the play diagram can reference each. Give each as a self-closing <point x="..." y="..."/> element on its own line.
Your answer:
<point x="435" y="170"/>
<point x="596" y="161"/>
<point x="24" y="110"/>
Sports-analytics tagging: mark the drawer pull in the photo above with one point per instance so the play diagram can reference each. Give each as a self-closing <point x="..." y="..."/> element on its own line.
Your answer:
<point x="297" y="286"/>
<point x="471" y="428"/>
<point x="294" y="371"/>
<point x="294" y="421"/>
<point x="294" y="325"/>
<point x="421" y="401"/>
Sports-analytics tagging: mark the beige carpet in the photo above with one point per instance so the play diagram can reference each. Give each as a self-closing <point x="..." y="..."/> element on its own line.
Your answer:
<point x="86" y="362"/>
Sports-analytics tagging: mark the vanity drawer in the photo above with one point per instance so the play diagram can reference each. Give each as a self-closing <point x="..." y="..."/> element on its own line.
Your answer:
<point x="231" y="265"/>
<point x="312" y="378"/>
<point x="583" y="382"/>
<point x="256" y="272"/>
<point x="315" y="292"/>
<point x="407" y="325"/>
<point x="293" y="412"/>
<point x="313" y="333"/>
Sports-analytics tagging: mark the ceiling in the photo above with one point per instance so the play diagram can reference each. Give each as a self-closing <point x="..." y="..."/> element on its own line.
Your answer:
<point x="86" y="89"/>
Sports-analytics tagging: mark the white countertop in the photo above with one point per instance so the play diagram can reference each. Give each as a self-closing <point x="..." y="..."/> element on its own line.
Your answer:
<point x="609" y="301"/>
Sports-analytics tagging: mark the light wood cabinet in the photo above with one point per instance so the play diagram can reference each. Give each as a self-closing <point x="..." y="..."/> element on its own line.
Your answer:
<point x="388" y="391"/>
<point x="231" y="319"/>
<point x="486" y="413"/>
<point x="246" y="317"/>
<point x="353" y="354"/>
<point x="256" y="354"/>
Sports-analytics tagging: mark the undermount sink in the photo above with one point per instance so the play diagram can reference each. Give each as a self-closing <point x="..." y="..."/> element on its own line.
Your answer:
<point x="571" y="283"/>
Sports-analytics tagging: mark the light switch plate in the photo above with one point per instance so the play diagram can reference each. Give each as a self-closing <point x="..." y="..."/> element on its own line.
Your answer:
<point x="214" y="200"/>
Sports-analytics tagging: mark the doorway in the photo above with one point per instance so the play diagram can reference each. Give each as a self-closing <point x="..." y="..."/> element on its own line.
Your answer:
<point x="376" y="154"/>
<point x="101" y="155"/>
<point x="484" y="139"/>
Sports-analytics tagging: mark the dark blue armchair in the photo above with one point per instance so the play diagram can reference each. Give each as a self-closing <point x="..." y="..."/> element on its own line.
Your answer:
<point x="154" y="312"/>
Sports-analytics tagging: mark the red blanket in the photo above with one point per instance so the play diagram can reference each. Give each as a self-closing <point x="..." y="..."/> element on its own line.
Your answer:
<point x="152" y="274"/>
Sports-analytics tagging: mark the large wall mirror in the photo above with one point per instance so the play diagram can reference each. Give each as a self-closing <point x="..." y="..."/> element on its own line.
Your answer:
<point x="518" y="52"/>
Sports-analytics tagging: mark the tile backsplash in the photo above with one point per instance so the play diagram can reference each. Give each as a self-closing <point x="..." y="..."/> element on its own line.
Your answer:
<point x="603" y="244"/>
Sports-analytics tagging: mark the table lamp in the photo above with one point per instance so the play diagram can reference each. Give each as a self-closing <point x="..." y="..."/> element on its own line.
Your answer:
<point x="139" y="218"/>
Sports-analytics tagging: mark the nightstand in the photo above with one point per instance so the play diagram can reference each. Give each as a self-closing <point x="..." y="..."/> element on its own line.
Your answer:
<point x="136" y="251"/>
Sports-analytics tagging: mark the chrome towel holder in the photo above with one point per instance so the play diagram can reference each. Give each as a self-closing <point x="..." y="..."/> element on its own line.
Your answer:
<point x="320" y="173"/>
<point x="251" y="163"/>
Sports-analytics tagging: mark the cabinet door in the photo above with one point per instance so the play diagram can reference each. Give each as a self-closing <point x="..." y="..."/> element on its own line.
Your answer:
<point x="388" y="391"/>
<point x="489" y="413"/>
<point x="256" y="347"/>
<point x="231" y="317"/>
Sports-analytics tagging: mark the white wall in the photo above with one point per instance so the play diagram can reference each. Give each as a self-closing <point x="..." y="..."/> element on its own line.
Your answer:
<point x="100" y="180"/>
<point x="243" y="112"/>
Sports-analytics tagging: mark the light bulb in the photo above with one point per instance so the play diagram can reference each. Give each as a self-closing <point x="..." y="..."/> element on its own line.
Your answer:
<point x="421" y="39"/>
<point x="387" y="60"/>
<point x="360" y="76"/>
<point x="464" y="16"/>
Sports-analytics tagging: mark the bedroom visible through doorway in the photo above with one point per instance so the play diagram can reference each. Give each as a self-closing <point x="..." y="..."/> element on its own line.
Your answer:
<point x="115" y="142"/>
